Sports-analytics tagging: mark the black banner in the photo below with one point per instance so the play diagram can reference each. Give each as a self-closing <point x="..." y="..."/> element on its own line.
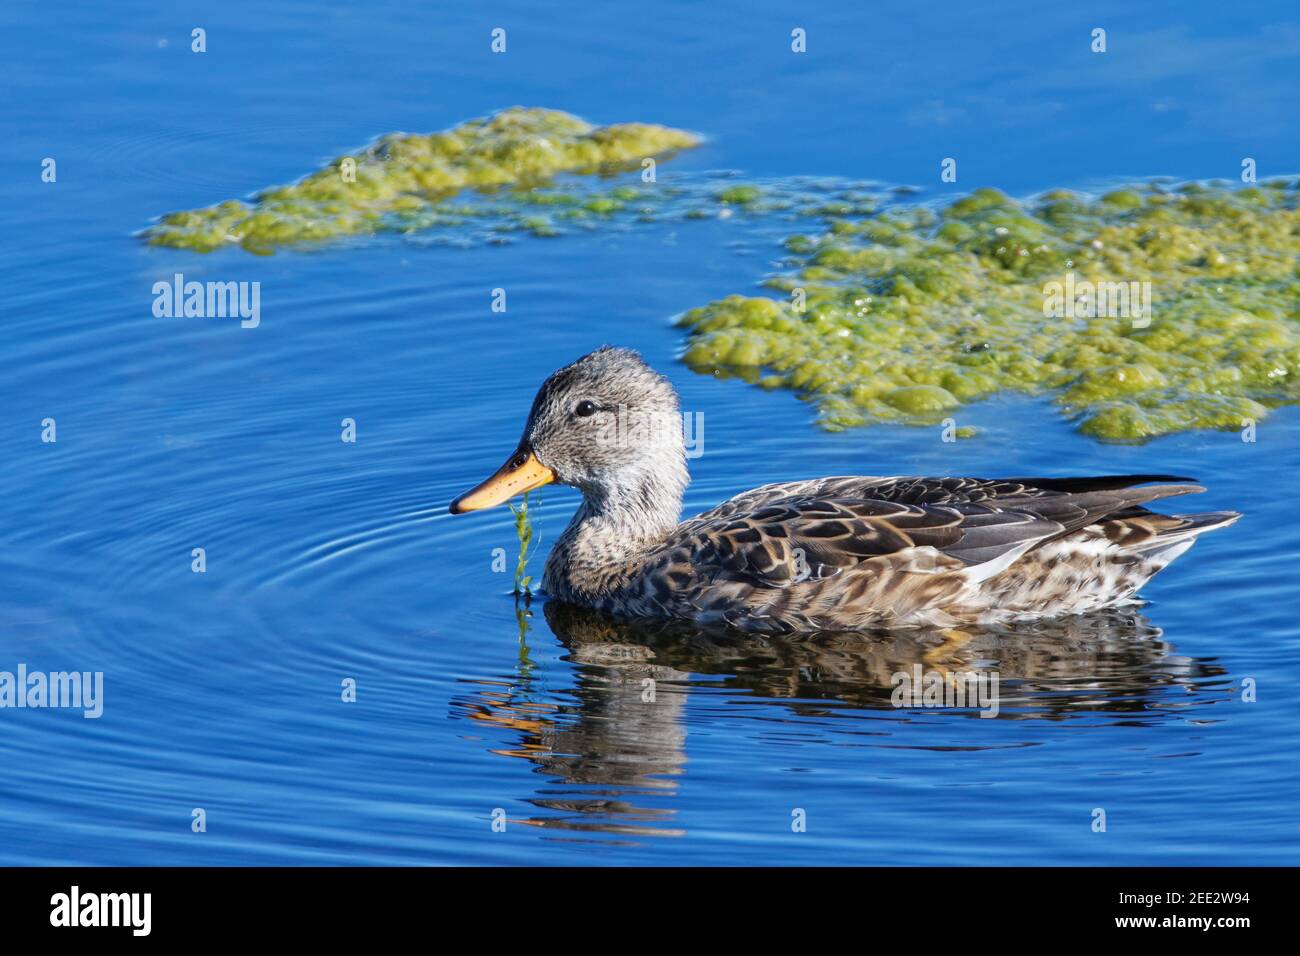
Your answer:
<point x="334" y="905"/>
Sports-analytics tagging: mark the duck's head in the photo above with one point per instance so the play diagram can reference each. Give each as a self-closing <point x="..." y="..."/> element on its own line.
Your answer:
<point x="608" y="425"/>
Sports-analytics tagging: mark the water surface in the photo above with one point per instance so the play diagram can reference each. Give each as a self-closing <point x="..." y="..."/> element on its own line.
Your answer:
<point x="328" y="561"/>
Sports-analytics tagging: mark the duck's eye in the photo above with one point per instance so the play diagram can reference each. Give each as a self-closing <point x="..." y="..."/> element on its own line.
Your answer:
<point x="585" y="408"/>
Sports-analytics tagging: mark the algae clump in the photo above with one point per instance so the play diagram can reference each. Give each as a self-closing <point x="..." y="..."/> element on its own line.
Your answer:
<point x="403" y="181"/>
<point x="903" y="314"/>
<point x="527" y="537"/>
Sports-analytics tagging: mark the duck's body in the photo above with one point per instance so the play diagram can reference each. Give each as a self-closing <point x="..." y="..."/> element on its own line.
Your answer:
<point x="855" y="552"/>
<point x="829" y="553"/>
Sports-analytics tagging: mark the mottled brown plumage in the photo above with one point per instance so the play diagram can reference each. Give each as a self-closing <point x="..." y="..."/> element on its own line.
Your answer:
<point x="827" y="553"/>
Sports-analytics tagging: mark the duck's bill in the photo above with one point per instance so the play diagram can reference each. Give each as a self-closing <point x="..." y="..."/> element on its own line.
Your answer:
<point x="523" y="472"/>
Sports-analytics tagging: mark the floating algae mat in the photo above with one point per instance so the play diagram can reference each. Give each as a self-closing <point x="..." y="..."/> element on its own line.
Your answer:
<point x="1143" y="312"/>
<point x="406" y="182"/>
<point x="904" y="315"/>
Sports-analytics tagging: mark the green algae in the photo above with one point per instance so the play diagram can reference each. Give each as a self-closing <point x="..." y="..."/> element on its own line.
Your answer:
<point x="739" y="195"/>
<point x="903" y="314"/>
<point x="403" y="182"/>
<point x="889" y="312"/>
<point x="525" y="532"/>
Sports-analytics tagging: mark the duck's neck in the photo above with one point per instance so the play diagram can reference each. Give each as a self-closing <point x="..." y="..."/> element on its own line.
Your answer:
<point x="614" y="533"/>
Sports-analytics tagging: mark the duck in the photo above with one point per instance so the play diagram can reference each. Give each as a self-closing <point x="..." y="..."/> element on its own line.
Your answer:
<point x="838" y="553"/>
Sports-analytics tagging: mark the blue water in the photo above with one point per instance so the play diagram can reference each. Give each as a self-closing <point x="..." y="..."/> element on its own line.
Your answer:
<point x="329" y="561"/>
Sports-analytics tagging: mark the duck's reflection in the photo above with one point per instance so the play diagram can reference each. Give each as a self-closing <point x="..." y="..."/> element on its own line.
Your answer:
<point x="613" y="747"/>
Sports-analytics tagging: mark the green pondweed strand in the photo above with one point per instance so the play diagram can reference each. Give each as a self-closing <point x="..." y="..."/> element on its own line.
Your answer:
<point x="527" y="536"/>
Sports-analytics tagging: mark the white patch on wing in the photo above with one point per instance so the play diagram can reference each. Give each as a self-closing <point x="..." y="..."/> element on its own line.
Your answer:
<point x="978" y="573"/>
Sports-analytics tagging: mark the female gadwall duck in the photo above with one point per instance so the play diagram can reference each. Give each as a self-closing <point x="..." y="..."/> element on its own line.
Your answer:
<point x="826" y="553"/>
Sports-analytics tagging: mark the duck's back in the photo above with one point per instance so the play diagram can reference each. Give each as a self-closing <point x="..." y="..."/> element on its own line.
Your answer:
<point x="853" y="552"/>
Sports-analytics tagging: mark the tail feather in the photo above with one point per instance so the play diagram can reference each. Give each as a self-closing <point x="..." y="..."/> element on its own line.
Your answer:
<point x="1164" y="531"/>
<point x="1099" y="482"/>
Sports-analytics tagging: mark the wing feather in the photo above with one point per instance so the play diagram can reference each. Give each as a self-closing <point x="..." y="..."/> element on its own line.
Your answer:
<point x="783" y="534"/>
